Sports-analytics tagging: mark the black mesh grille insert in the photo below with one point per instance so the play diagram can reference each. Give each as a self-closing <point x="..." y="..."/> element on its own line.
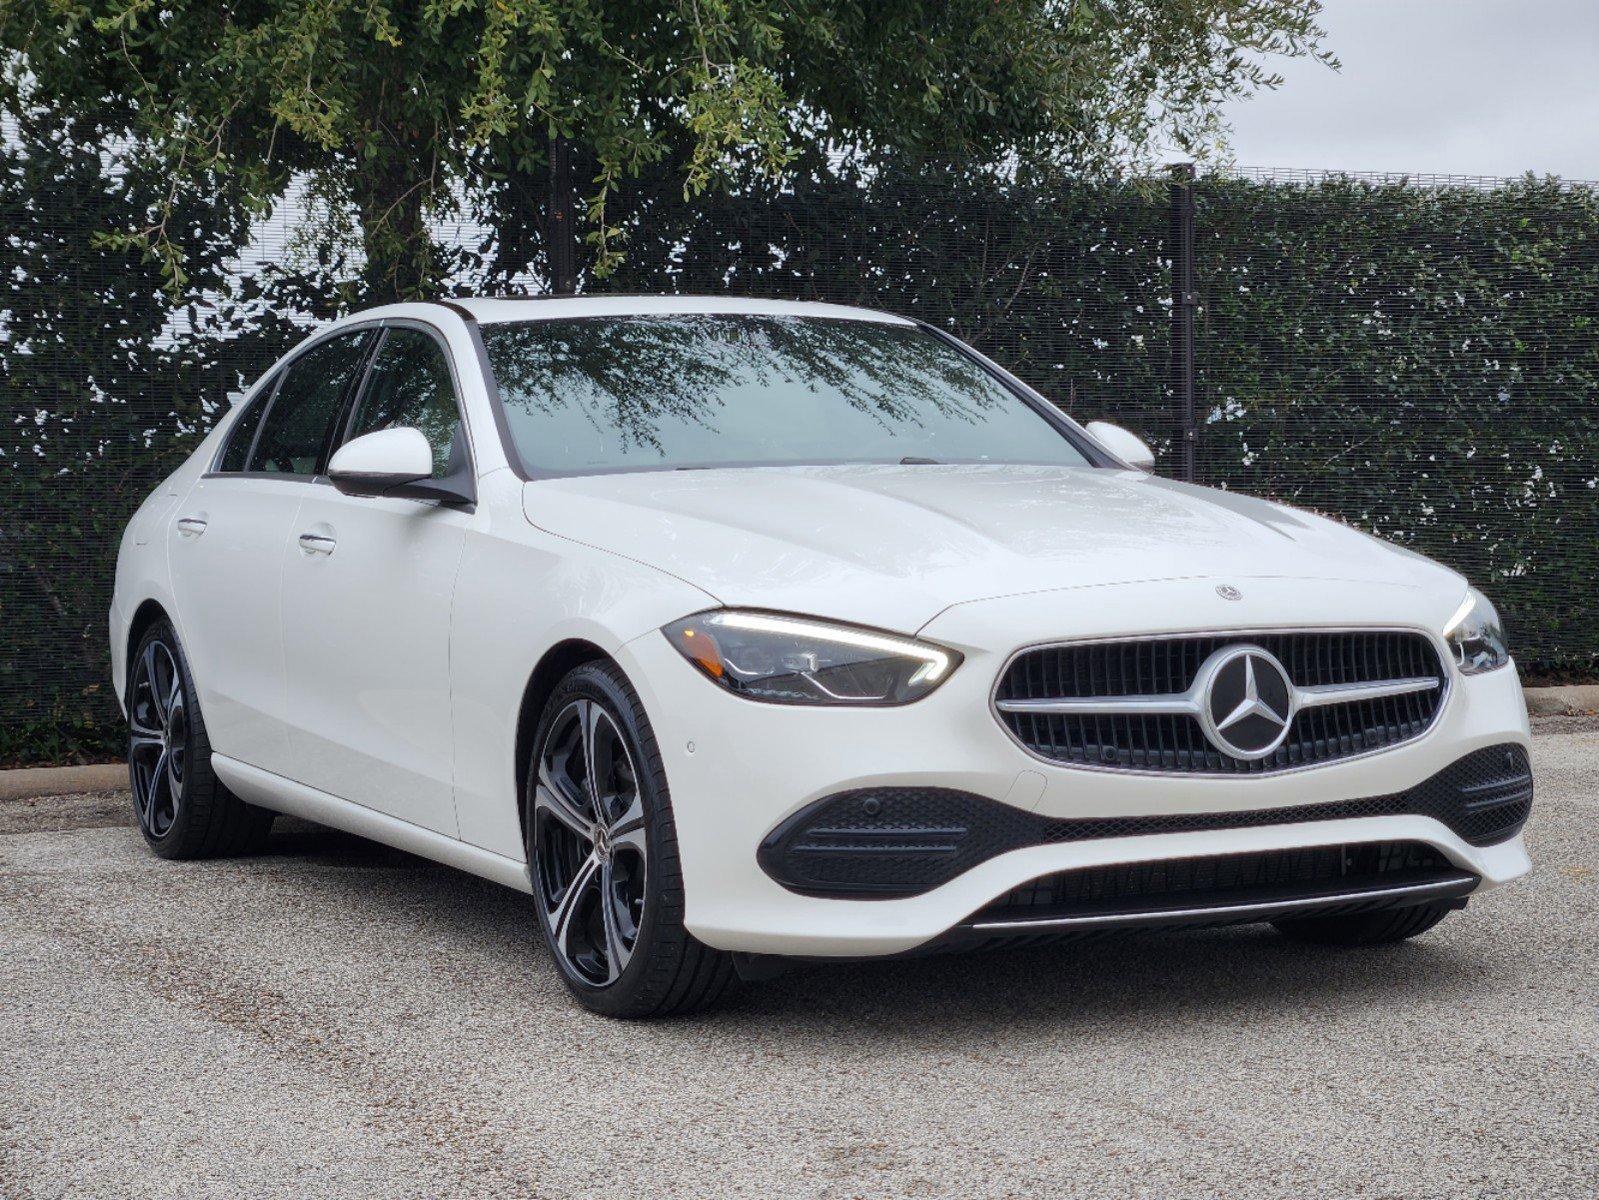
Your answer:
<point x="1304" y="870"/>
<point x="888" y="842"/>
<point x="1167" y="666"/>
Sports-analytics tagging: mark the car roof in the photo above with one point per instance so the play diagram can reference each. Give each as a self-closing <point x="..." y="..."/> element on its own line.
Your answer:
<point x="500" y="309"/>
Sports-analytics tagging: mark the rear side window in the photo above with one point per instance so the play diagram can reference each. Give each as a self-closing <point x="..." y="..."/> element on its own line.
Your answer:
<point x="410" y="385"/>
<point x="300" y="422"/>
<point x="243" y="432"/>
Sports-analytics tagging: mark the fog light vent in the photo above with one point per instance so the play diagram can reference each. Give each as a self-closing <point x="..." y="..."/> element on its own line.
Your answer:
<point x="885" y="842"/>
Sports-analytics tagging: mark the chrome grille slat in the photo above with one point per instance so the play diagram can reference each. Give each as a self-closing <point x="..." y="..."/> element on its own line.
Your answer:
<point x="1129" y="704"/>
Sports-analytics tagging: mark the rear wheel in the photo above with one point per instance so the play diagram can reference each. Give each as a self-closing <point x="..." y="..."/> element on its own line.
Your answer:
<point x="1366" y="929"/>
<point x="181" y="807"/>
<point x="602" y="847"/>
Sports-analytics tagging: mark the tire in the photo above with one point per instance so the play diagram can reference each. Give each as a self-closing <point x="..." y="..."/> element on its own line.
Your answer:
<point x="1366" y="929"/>
<point x="180" y="806"/>
<point x="610" y="901"/>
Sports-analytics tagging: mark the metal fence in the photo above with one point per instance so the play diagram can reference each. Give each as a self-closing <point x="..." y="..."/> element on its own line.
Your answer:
<point x="1418" y="357"/>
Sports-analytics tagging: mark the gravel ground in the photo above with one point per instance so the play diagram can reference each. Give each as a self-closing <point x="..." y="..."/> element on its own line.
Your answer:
<point x="336" y="1019"/>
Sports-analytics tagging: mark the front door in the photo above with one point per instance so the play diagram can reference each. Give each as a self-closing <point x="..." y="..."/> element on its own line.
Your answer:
<point x="367" y="587"/>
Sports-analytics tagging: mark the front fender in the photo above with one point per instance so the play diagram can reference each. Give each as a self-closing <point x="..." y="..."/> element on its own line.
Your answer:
<point x="520" y="592"/>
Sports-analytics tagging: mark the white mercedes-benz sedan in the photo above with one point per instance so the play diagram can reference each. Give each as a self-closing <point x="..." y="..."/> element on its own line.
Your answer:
<point x="739" y="632"/>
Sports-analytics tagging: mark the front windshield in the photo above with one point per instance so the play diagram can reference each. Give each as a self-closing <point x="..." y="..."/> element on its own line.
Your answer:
<point x="699" y="390"/>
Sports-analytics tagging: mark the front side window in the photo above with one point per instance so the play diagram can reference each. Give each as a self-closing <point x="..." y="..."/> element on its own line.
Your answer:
<point x="299" y="424"/>
<point x="410" y="384"/>
<point x="693" y="390"/>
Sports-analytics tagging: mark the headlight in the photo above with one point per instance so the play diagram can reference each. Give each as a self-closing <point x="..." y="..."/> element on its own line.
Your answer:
<point x="794" y="660"/>
<point x="1477" y="636"/>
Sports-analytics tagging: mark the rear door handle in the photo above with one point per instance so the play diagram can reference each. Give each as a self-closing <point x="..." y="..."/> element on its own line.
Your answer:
<point x="317" y="543"/>
<point x="191" y="527"/>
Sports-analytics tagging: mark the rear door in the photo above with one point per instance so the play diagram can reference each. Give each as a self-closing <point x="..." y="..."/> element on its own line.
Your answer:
<point x="368" y="585"/>
<point x="225" y="544"/>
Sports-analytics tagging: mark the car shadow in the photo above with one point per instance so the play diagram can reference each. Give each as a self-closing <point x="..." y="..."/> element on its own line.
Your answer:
<point x="1239" y="973"/>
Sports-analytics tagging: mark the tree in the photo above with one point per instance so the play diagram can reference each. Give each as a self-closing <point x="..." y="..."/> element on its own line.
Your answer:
<point x="392" y="113"/>
<point x="105" y="386"/>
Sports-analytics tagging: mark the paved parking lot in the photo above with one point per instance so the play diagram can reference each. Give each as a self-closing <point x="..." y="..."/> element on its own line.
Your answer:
<point x="334" y="1019"/>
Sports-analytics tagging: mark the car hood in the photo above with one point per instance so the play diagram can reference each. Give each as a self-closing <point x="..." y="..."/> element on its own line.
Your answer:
<point x="893" y="546"/>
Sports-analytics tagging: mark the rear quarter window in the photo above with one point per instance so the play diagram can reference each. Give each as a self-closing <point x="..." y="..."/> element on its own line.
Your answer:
<point x="237" y="450"/>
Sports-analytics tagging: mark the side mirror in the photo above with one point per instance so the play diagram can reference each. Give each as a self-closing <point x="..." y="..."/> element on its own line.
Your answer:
<point x="374" y="464"/>
<point x="1123" y="443"/>
<point x="396" y="462"/>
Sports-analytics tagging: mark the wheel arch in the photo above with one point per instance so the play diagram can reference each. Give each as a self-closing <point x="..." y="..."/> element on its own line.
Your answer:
<point x="557" y="661"/>
<point x="145" y="615"/>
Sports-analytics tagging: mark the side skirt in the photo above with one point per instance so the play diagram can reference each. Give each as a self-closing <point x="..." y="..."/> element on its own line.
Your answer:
<point x="266" y="790"/>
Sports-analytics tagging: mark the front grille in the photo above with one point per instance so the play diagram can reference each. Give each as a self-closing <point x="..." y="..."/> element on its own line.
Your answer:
<point x="1175" y="742"/>
<point x="891" y="841"/>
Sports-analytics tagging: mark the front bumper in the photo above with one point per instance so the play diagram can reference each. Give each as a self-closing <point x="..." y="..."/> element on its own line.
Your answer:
<point x="738" y="769"/>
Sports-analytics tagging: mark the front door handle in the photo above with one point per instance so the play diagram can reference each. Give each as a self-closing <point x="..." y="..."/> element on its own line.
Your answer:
<point x="191" y="527"/>
<point x="317" y="543"/>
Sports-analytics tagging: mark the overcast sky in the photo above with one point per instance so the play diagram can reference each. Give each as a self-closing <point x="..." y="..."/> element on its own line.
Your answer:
<point x="1469" y="87"/>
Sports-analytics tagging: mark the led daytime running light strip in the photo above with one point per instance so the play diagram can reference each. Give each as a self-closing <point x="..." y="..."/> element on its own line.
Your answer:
<point x="935" y="661"/>
<point x="1461" y="613"/>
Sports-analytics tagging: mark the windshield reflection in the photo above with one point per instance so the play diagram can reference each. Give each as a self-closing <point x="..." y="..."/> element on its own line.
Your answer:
<point x="702" y="389"/>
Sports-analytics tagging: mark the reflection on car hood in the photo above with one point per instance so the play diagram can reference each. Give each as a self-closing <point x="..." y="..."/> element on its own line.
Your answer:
<point x="892" y="546"/>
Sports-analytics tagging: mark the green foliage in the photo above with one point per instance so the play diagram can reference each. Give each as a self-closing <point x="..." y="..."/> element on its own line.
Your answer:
<point x="60" y="737"/>
<point x="105" y="385"/>
<point x="1062" y="281"/>
<point x="395" y="113"/>
<point x="1421" y="362"/>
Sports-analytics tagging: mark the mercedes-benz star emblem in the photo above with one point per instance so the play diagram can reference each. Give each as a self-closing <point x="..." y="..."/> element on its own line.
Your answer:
<point x="1248" y="702"/>
<point x="1228" y="592"/>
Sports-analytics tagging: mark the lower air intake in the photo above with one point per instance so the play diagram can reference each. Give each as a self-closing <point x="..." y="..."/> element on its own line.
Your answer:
<point x="1312" y="881"/>
<point x="886" y="842"/>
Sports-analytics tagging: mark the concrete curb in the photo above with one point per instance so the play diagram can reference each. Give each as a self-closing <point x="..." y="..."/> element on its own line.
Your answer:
<point x="1570" y="701"/>
<point x="31" y="782"/>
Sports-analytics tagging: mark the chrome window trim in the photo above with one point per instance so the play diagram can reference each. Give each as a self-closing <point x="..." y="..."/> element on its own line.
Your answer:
<point x="1445" y="658"/>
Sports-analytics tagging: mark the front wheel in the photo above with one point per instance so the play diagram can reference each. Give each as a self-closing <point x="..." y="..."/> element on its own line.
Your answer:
<point x="602" y="852"/>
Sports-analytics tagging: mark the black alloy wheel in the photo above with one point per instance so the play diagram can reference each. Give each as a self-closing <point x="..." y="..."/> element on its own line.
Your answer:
<point x="592" y="856"/>
<point x="158" y="739"/>
<point x="602" y="855"/>
<point x="181" y="807"/>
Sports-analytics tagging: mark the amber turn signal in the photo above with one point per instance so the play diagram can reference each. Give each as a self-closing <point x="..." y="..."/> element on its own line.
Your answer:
<point x="700" y="648"/>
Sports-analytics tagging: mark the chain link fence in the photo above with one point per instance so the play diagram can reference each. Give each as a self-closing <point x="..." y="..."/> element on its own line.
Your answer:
<point x="1419" y="357"/>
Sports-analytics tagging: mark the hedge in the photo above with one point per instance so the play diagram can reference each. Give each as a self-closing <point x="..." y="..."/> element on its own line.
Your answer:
<point x="1419" y="361"/>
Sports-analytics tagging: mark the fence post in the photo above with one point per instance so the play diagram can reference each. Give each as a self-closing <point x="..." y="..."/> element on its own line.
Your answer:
<point x="1185" y="299"/>
<point x="561" y="228"/>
